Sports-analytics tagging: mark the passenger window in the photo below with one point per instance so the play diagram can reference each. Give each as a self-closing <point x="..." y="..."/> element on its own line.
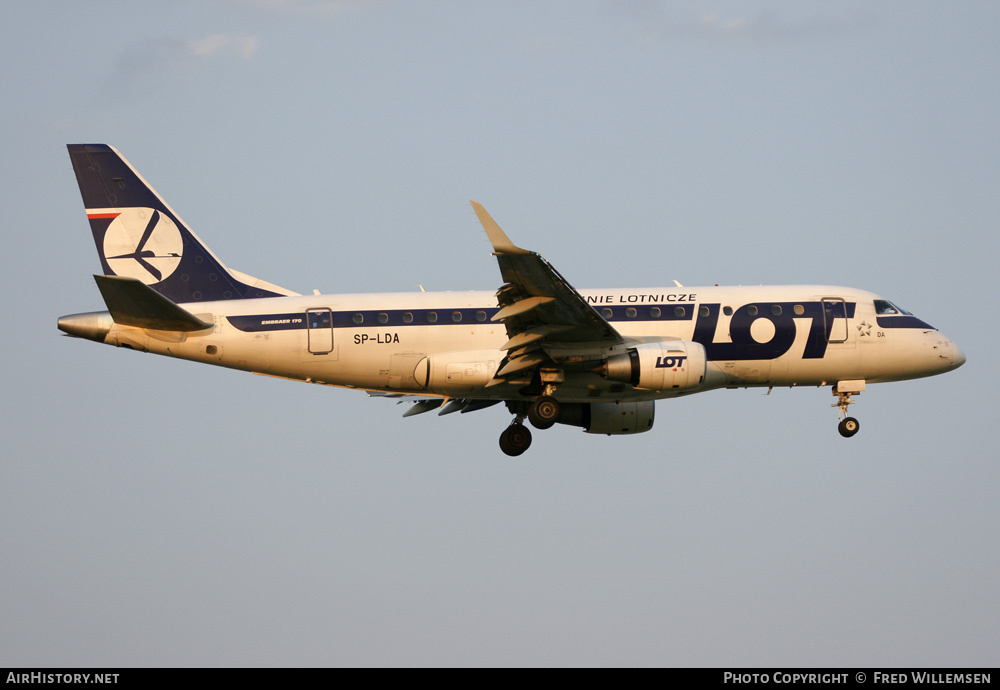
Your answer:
<point x="607" y="312"/>
<point x="679" y="312"/>
<point x="655" y="312"/>
<point x="456" y="316"/>
<point x="407" y="317"/>
<point x="752" y="310"/>
<point x="728" y="311"/>
<point x="631" y="312"/>
<point x="432" y="317"/>
<point x="702" y="311"/>
<point x="799" y="310"/>
<point x="480" y="315"/>
<point x="383" y="318"/>
<point x="358" y="319"/>
<point x="776" y="309"/>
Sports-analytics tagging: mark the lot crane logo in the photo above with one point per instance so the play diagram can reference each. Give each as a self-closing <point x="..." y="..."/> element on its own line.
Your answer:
<point x="143" y="243"/>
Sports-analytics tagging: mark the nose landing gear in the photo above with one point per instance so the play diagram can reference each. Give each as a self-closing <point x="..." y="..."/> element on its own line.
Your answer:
<point x="848" y="427"/>
<point x="843" y="391"/>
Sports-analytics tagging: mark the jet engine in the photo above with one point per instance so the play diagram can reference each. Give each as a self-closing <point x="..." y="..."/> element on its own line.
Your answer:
<point x="661" y="366"/>
<point x="609" y="417"/>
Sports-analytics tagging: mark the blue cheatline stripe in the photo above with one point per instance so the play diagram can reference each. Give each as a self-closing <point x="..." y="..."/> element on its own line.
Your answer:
<point x="400" y="318"/>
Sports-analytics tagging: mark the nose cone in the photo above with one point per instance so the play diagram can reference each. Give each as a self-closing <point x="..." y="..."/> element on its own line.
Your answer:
<point x="949" y="354"/>
<point x="92" y="325"/>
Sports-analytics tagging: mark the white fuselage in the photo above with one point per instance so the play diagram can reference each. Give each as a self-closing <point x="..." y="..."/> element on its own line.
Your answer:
<point x="445" y="344"/>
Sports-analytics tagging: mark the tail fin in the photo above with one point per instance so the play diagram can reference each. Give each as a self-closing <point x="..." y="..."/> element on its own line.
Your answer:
<point x="139" y="236"/>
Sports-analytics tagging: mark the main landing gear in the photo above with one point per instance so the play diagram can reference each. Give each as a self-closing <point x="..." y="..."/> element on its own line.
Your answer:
<point x="843" y="391"/>
<point x="516" y="438"/>
<point x="543" y="412"/>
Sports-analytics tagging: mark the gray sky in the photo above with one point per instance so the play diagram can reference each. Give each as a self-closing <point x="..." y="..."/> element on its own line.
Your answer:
<point x="158" y="512"/>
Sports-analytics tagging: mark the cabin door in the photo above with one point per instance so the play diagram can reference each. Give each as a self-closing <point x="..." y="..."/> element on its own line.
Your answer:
<point x="319" y="325"/>
<point x="835" y="319"/>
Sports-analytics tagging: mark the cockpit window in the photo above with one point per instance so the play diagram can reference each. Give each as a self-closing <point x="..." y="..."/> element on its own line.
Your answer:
<point x="884" y="307"/>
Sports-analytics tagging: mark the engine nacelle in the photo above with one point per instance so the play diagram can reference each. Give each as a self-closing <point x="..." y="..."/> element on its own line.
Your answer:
<point x="668" y="365"/>
<point x="609" y="417"/>
<point x="458" y="372"/>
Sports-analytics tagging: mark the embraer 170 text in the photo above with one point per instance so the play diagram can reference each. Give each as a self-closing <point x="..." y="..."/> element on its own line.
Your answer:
<point x="597" y="359"/>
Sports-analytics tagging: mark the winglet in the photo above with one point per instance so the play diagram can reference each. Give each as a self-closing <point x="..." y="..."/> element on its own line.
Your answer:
<point x="501" y="243"/>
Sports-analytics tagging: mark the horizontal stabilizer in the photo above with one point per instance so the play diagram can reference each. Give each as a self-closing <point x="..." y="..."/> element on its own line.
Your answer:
<point x="132" y="303"/>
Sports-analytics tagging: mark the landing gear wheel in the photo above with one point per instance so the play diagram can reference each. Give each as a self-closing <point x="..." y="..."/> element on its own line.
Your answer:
<point x="848" y="427"/>
<point x="515" y="439"/>
<point x="544" y="412"/>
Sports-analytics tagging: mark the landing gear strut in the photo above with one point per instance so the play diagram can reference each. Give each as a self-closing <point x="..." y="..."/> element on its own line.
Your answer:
<point x="843" y="391"/>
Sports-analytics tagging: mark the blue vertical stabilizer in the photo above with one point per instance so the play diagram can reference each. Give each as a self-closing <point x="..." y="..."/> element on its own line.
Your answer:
<point x="139" y="236"/>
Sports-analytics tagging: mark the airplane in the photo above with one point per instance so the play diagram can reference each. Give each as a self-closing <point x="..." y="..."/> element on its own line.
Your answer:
<point x="596" y="359"/>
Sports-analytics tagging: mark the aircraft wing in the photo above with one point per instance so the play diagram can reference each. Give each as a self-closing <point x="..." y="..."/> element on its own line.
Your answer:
<point x="542" y="312"/>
